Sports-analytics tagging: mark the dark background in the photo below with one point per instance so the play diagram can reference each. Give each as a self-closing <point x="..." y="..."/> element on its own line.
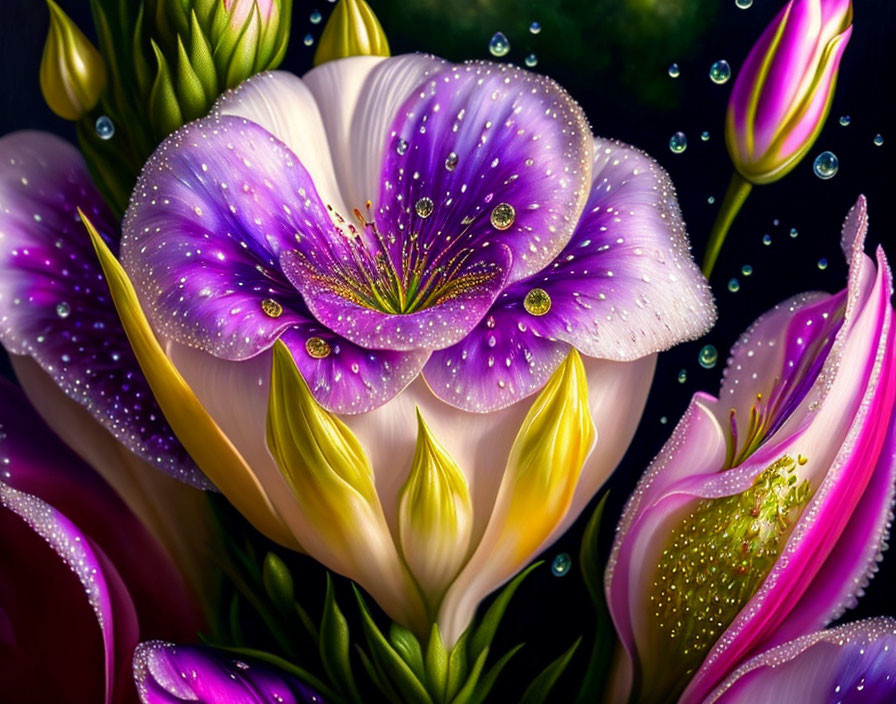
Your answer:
<point x="613" y="56"/>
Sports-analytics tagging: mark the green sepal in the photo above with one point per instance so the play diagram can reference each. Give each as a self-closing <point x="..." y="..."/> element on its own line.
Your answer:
<point x="335" y="645"/>
<point x="538" y="691"/>
<point x="282" y="40"/>
<point x="233" y="620"/>
<point x="485" y="631"/>
<point x="408" y="647"/>
<point x="204" y="9"/>
<point x="278" y="582"/>
<point x="469" y="689"/>
<point x="490" y="677"/>
<point x="388" y="661"/>
<point x="242" y="59"/>
<point x="190" y="91"/>
<point x="164" y="110"/>
<point x="201" y="59"/>
<point x="378" y="678"/>
<point x="436" y="663"/>
<point x="142" y="70"/>
<point x="593" y="683"/>
<point x="457" y="666"/>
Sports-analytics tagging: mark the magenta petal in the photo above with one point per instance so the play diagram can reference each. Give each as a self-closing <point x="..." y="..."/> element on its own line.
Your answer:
<point x="54" y="304"/>
<point x="167" y="674"/>
<point x="852" y="664"/>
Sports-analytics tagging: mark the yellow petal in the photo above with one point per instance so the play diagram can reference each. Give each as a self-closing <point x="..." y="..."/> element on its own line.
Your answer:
<point x="72" y="72"/>
<point x="330" y="475"/>
<point x="200" y="435"/>
<point x="352" y="30"/>
<point x="435" y="516"/>
<point x="536" y="492"/>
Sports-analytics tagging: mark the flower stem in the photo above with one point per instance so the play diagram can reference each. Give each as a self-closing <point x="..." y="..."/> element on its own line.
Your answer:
<point x="737" y="193"/>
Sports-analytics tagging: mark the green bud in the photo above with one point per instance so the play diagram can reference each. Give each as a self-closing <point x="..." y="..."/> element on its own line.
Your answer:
<point x="164" y="110"/>
<point x="277" y="581"/>
<point x="352" y="30"/>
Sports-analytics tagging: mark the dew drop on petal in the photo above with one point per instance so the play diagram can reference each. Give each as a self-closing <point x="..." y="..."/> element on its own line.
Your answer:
<point x="708" y="356"/>
<point x="63" y="309"/>
<point x="682" y="376"/>
<point x="401" y="147"/>
<point x="499" y="45"/>
<point x="451" y="161"/>
<point x="822" y="263"/>
<point x="678" y="142"/>
<point x="720" y="72"/>
<point x="878" y="140"/>
<point x="503" y="215"/>
<point x="537" y="302"/>
<point x="105" y="128"/>
<point x="316" y="17"/>
<point x="561" y="564"/>
<point x="733" y="285"/>
<point x="531" y="60"/>
<point x="317" y="347"/>
<point x="674" y="70"/>
<point x="746" y="270"/>
<point x="271" y="308"/>
<point x="535" y="27"/>
<point x="826" y="165"/>
<point x="424" y="207"/>
<point x="845" y="120"/>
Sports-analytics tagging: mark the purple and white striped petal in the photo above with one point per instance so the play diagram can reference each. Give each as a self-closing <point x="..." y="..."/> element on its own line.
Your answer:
<point x="168" y="674"/>
<point x="54" y="305"/>
<point x="852" y="664"/>
<point x="624" y="286"/>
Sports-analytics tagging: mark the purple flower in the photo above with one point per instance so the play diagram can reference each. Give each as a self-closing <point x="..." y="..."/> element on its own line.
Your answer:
<point x="80" y="576"/>
<point x="763" y="517"/>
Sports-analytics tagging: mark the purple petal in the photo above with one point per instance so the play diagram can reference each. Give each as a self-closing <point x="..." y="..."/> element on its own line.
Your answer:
<point x="623" y="287"/>
<point x="54" y="305"/>
<point x="167" y="674"/>
<point x="846" y="665"/>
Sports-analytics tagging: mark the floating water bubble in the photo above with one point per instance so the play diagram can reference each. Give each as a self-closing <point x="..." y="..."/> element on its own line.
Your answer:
<point x="531" y="60"/>
<point x="746" y="270"/>
<point x="734" y="285"/>
<point x="682" y="376"/>
<point x="674" y="71"/>
<point x="535" y="27"/>
<point x="561" y="564"/>
<point x="708" y="356"/>
<point x="720" y="72"/>
<point x="704" y="135"/>
<point x="664" y="420"/>
<point x="826" y="165"/>
<point x="309" y="40"/>
<point x="822" y="263"/>
<point x="878" y="140"/>
<point x="766" y="240"/>
<point x="105" y="128"/>
<point x="845" y="120"/>
<point x="794" y="232"/>
<point x="678" y="142"/>
<point x="776" y="222"/>
<point x="711" y="200"/>
<point x="744" y="4"/>
<point x="63" y="309"/>
<point x="316" y="17"/>
<point x="498" y="45"/>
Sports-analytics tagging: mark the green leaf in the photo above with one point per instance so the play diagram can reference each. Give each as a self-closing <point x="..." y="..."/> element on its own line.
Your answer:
<point x="282" y="41"/>
<point x="164" y="110"/>
<point x="378" y="678"/>
<point x="241" y="59"/>
<point x="436" y="663"/>
<point x="190" y="91"/>
<point x="457" y="666"/>
<point x="490" y="677"/>
<point x="595" y="677"/>
<point x="485" y="631"/>
<point x="277" y="580"/>
<point x="469" y="688"/>
<point x="233" y="616"/>
<point x="537" y="692"/>
<point x="408" y="647"/>
<point x="142" y="70"/>
<point x="335" y="644"/>
<point x="201" y="59"/>
<point x="389" y="661"/>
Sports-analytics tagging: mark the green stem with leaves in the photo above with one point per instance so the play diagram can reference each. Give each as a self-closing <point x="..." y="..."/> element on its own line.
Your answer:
<point x="737" y="193"/>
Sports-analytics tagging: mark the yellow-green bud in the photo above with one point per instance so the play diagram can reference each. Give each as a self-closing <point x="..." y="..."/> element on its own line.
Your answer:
<point x="352" y="30"/>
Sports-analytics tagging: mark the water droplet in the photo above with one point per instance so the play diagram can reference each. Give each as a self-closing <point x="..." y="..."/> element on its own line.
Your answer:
<point x="535" y="27"/>
<point x="424" y="207"/>
<point x="678" y="142"/>
<point x="826" y="165"/>
<point x="766" y="240"/>
<point x="734" y="285"/>
<point x="878" y="140"/>
<point x="664" y="420"/>
<point x="63" y="309"/>
<point x="561" y="564"/>
<point x="711" y="200"/>
<point x="105" y="128"/>
<point x="451" y="161"/>
<point x="682" y="376"/>
<point x="502" y="216"/>
<point x="744" y="4"/>
<point x="309" y="40"/>
<point x="499" y="46"/>
<point x="315" y="17"/>
<point x="704" y="135"/>
<point x="531" y="60"/>
<point x="845" y="120"/>
<point x="720" y="72"/>
<point x="271" y="308"/>
<point x="822" y="263"/>
<point x="746" y="270"/>
<point x="537" y="302"/>
<point x="674" y="70"/>
<point x="401" y="147"/>
<point x="708" y="356"/>
<point x="794" y="232"/>
<point x="317" y="347"/>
